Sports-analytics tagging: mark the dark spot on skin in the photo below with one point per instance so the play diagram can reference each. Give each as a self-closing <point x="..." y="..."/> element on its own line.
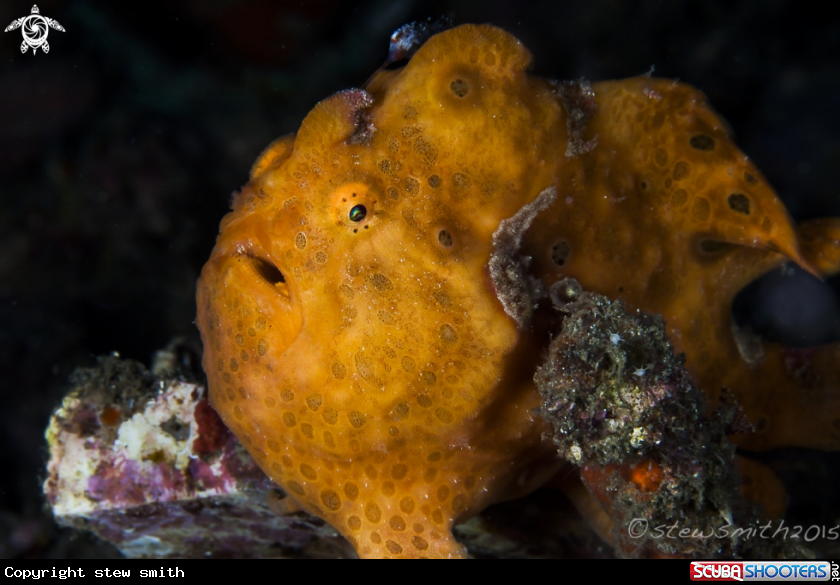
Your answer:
<point x="412" y="186"/>
<point x="660" y="157"/>
<point x="461" y="181"/>
<point x="702" y="142"/>
<point x="434" y="181"/>
<point x="426" y="150"/>
<point x="459" y="87"/>
<point x="739" y="203"/>
<point x="445" y="238"/>
<point x="681" y="170"/>
<point x="750" y="179"/>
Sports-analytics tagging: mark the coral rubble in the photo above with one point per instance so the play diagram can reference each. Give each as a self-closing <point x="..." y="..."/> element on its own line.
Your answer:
<point x="622" y="407"/>
<point x="147" y="465"/>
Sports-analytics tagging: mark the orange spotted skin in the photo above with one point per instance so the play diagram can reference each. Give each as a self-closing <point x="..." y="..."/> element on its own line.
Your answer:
<point x="365" y="359"/>
<point x="667" y="214"/>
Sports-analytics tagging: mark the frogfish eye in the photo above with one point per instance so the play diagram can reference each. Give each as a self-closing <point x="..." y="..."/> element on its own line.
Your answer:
<point x="358" y="213"/>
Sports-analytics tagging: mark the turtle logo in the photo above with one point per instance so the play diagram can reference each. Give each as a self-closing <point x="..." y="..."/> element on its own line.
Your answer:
<point x="35" y="28"/>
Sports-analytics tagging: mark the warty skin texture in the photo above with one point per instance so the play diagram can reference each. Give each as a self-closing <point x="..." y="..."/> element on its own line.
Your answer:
<point x="370" y="366"/>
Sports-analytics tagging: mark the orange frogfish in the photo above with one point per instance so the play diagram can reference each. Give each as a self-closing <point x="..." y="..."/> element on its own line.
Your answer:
<point x="374" y="309"/>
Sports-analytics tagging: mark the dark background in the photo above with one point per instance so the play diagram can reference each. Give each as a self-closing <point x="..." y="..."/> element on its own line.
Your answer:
<point x="119" y="150"/>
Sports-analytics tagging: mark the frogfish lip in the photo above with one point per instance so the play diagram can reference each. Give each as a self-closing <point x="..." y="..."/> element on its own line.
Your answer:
<point x="243" y="285"/>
